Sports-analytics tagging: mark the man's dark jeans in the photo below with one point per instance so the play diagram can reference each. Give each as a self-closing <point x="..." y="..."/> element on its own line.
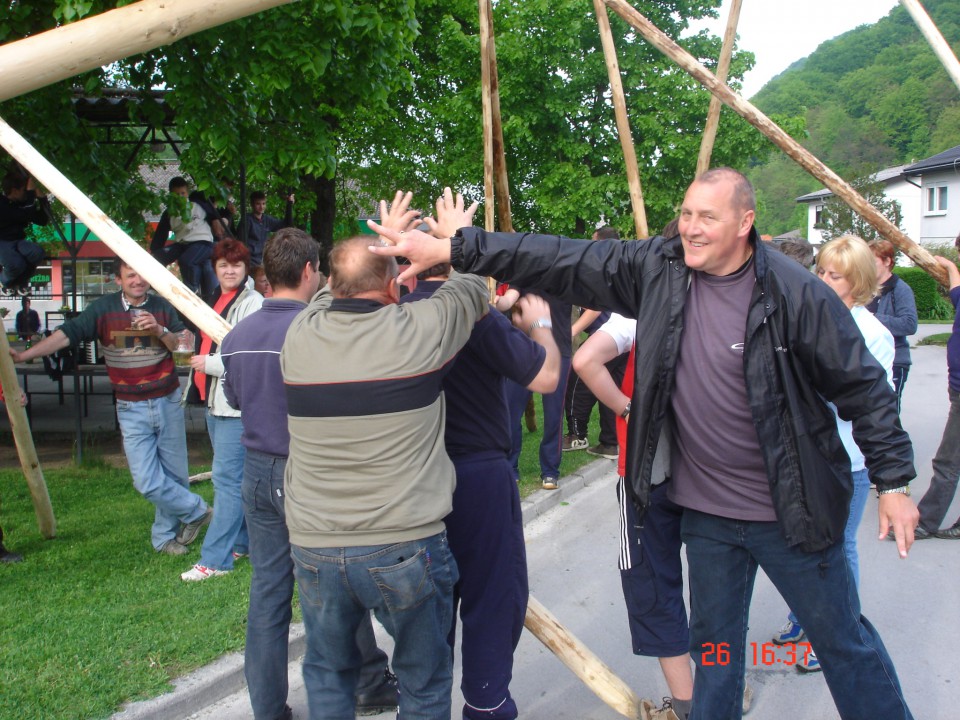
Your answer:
<point x="271" y="593"/>
<point x="946" y="471"/>
<point x="723" y="556"/>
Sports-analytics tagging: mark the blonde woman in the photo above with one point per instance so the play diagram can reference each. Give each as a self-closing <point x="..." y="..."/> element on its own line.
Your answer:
<point x="847" y="265"/>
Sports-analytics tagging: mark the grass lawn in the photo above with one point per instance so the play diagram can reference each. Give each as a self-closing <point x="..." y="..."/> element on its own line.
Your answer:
<point x="938" y="339"/>
<point x="95" y="617"/>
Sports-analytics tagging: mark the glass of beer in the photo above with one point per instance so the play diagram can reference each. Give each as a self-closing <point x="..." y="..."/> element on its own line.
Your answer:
<point x="135" y="315"/>
<point x="184" y="349"/>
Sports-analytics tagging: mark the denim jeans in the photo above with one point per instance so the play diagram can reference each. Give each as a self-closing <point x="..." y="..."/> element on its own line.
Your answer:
<point x="551" y="445"/>
<point x="193" y="258"/>
<point x="19" y="260"/>
<point x="409" y="586"/>
<point x="723" y="556"/>
<point x="228" y="531"/>
<point x="946" y="471"/>
<point x="271" y="594"/>
<point x="155" y="442"/>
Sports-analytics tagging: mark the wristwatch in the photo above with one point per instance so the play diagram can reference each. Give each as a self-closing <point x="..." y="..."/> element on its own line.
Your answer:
<point x="163" y="331"/>
<point x="541" y="323"/>
<point x="626" y="411"/>
<point x="902" y="490"/>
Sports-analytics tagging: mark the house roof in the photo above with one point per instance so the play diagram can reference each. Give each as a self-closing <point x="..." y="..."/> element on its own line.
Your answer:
<point x="947" y="160"/>
<point x="887" y="175"/>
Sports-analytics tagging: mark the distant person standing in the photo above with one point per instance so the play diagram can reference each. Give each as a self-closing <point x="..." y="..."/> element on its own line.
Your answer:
<point x="896" y="308"/>
<point x="946" y="463"/>
<point x="253" y="384"/>
<point x="193" y="236"/>
<point x="19" y="208"/>
<point x="259" y="225"/>
<point x="137" y="348"/>
<point x="27" y="323"/>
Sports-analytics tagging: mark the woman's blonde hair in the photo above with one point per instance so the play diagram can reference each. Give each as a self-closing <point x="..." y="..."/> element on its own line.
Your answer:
<point x="852" y="258"/>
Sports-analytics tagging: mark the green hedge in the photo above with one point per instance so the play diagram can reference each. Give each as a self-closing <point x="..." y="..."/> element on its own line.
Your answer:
<point x="931" y="305"/>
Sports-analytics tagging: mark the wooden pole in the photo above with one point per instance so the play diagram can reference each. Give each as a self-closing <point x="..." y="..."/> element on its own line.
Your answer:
<point x="24" y="441"/>
<point x="723" y="67"/>
<point x="501" y="182"/>
<point x="486" y="82"/>
<point x="594" y="673"/>
<point x="623" y="120"/>
<point x="786" y="143"/>
<point x="159" y="278"/>
<point x="55" y="55"/>
<point x="933" y="36"/>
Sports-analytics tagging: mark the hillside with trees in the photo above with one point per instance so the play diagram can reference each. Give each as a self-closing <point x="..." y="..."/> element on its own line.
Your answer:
<point x="874" y="97"/>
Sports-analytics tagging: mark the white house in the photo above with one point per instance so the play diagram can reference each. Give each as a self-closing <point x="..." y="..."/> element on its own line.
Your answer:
<point x="897" y="186"/>
<point x="939" y="180"/>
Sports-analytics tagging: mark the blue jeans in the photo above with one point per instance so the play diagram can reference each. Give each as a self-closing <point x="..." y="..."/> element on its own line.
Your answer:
<point x="409" y="586"/>
<point x="271" y="593"/>
<point x="155" y="442"/>
<point x="227" y="532"/>
<point x="551" y="445"/>
<point x="723" y="556"/>
<point x="193" y="258"/>
<point x="20" y="259"/>
<point x="946" y="471"/>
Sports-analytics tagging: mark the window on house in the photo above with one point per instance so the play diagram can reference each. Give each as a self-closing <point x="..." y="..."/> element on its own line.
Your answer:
<point x="818" y="215"/>
<point x="937" y="200"/>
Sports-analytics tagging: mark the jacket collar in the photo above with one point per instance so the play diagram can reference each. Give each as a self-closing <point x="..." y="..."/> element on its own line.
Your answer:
<point x="355" y="305"/>
<point x="673" y="250"/>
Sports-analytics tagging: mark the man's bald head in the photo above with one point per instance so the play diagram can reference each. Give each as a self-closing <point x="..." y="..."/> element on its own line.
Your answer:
<point x="355" y="271"/>
<point x="744" y="198"/>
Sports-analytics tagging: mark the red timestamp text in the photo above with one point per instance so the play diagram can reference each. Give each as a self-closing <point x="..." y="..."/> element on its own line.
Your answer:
<point x="760" y="653"/>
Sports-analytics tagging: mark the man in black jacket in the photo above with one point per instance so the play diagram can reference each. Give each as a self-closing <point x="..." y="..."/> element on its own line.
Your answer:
<point x="740" y="347"/>
<point x="19" y="208"/>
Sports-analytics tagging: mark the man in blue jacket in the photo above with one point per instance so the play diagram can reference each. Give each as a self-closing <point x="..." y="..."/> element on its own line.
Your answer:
<point x="739" y="348"/>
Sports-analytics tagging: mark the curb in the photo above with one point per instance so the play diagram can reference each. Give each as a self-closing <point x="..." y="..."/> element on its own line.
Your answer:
<point x="224" y="676"/>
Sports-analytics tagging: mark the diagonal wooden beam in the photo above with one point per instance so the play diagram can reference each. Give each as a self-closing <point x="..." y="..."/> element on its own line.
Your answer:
<point x="723" y="67"/>
<point x="623" y="121"/>
<point x="58" y="54"/>
<point x="933" y="36"/>
<point x="781" y="139"/>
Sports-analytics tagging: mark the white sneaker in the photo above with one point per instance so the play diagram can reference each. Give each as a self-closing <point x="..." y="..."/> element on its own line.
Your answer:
<point x="200" y="572"/>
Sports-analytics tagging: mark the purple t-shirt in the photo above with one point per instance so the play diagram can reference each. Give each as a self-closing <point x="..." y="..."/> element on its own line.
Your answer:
<point x="953" y="344"/>
<point x="716" y="463"/>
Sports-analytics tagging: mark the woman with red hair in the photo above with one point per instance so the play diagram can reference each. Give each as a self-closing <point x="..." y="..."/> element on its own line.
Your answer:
<point x="233" y="300"/>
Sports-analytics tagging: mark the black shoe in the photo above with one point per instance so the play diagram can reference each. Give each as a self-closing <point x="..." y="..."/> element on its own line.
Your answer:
<point x="951" y="533"/>
<point x="384" y="699"/>
<point x="918" y="534"/>
<point x="9" y="557"/>
<point x="610" y="452"/>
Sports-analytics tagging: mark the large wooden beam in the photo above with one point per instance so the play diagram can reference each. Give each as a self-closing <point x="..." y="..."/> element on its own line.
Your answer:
<point x="933" y="36"/>
<point x="24" y="442"/>
<point x="623" y="121"/>
<point x="780" y="138"/>
<point x="594" y="673"/>
<point x="486" y="83"/>
<point x="55" y="55"/>
<point x="159" y="278"/>
<point x="723" y="67"/>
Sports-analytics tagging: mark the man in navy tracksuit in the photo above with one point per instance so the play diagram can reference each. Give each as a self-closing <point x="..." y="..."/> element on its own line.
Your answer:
<point x="485" y="528"/>
<point x="254" y="383"/>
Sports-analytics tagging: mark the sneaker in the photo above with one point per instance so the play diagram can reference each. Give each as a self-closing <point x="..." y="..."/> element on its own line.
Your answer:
<point x="572" y="442"/>
<point x="240" y="556"/>
<point x="199" y="572"/>
<point x="951" y="533"/>
<point x="664" y="712"/>
<point x="190" y="530"/>
<point x="172" y="547"/>
<point x="919" y="533"/>
<point x="791" y="632"/>
<point x="548" y="482"/>
<point x="384" y="699"/>
<point x="611" y="452"/>
<point x="808" y="663"/>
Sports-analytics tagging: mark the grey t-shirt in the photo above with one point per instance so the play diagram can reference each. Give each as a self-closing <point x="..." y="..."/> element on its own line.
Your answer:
<point x="717" y="466"/>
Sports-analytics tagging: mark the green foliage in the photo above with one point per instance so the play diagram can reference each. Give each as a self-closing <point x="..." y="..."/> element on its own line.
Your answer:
<point x="931" y="305"/>
<point x="873" y="97"/>
<point x="839" y="219"/>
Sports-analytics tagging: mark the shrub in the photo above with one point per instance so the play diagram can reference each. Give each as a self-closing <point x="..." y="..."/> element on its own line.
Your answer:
<point x="931" y="305"/>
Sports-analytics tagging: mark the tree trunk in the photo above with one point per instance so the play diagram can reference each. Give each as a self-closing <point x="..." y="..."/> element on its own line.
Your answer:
<point x="322" y="218"/>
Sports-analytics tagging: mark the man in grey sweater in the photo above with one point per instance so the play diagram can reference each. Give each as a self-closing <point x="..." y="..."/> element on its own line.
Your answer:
<point x="368" y="481"/>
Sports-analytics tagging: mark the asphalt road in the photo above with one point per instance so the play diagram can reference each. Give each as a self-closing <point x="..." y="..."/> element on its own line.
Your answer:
<point x="572" y="558"/>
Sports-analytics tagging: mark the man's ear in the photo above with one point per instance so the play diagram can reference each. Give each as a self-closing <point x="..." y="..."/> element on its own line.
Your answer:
<point x="746" y="222"/>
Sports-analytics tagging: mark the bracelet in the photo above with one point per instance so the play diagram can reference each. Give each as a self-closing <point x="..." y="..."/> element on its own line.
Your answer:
<point x="902" y="490"/>
<point x="626" y="411"/>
